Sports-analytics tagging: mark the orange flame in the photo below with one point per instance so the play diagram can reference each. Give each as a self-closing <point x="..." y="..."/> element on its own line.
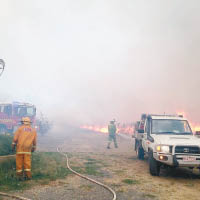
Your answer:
<point x="125" y="129"/>
<point x="101" y="129"/>
<point x="194" y="127"/>
<point x="197" y="128"/>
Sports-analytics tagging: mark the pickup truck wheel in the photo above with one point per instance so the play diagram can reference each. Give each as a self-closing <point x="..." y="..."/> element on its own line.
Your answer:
<point x="154" y="165"/>
<point x="140" y="152"/>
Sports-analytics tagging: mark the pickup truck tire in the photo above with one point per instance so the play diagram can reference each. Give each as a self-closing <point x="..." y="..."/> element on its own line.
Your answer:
<point x="140" y="152"/>
<point x="154" y="165"/>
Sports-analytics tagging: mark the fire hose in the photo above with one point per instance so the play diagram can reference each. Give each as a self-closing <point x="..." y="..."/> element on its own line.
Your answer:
<point x="68" y="166"/>
<point x="87" y="178"/>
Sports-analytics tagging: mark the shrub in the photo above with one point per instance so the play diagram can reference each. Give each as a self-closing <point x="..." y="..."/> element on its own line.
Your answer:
<point x="5" y="145"/>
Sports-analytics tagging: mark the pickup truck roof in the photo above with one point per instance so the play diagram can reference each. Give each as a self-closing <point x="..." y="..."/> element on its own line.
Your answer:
<point x="174" y="117"/>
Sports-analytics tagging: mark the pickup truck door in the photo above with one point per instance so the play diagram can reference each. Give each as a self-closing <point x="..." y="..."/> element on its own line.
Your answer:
<point x="145" y="141"/>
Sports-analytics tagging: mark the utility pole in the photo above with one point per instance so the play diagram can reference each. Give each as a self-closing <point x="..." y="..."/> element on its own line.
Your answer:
<point x="2" y="66"/>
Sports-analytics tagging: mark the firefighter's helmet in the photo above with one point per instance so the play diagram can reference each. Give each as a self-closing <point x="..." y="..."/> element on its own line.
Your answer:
<point x="26" y="120"/>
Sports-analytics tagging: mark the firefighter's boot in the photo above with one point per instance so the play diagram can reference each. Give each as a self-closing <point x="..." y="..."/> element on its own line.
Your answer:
<point x="19" y="176"/>
<point x="28" y="175"/>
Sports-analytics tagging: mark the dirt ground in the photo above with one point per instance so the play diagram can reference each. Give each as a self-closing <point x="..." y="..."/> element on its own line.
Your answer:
<point x="119" y="169"/>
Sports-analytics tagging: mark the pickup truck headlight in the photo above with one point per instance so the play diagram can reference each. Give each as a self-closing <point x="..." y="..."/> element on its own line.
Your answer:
<point x="163" y="148"/>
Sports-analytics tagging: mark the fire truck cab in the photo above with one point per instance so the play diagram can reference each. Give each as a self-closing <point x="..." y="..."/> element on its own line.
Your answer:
<point x="11" y="114"/>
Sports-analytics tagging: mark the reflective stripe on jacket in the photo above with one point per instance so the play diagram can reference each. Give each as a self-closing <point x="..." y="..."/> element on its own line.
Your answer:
<point x="25" y="138"/>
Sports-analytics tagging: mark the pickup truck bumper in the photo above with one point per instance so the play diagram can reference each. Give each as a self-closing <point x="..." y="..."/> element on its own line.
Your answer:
<point x="179" y="160"/>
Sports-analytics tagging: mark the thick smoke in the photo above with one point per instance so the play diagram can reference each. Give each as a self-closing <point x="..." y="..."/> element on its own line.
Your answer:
<point x="91" y="61"/>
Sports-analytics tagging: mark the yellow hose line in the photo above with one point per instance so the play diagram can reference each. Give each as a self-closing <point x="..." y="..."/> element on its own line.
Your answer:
<point x="87" y="178"/>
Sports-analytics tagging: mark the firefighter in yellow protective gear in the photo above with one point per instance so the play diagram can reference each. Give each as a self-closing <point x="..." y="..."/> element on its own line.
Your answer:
<point x="25" y="141"/>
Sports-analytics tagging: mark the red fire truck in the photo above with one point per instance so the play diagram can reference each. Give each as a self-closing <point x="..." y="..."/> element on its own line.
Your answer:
<point x="12" y="113"/>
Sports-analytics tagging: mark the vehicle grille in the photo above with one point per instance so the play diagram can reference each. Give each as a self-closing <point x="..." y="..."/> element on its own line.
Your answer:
<point x="187" y="149"/>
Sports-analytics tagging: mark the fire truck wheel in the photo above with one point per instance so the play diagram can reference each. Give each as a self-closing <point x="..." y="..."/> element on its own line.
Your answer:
<point x="154" y="165"/>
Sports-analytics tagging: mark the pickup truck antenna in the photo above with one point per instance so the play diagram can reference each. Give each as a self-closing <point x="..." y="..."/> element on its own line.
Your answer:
<point x="2" y="66"/>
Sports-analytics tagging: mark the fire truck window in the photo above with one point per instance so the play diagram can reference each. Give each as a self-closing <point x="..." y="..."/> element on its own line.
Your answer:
<point x="30" y="111"/>
<point x="16" y="111"/>
<point x="7" y="110"/>
<point x="22" y="112"/>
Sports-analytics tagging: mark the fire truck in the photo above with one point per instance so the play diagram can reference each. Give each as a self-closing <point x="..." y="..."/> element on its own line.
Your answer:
<point x="12" y="113"/>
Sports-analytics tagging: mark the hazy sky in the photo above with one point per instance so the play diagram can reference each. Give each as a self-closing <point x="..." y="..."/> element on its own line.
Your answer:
<point x="89" y="61"/>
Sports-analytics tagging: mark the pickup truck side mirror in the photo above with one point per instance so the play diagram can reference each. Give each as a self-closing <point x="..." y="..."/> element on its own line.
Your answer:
<point x="140" y="130"/>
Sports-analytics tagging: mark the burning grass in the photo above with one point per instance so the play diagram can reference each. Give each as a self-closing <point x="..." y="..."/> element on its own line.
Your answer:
<point x="100" y="129"/>
<point x="124" y="128"/>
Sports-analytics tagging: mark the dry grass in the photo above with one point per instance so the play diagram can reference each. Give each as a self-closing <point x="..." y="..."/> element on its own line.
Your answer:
<point x="130" y="181"/>
<point x="45" y="167"/>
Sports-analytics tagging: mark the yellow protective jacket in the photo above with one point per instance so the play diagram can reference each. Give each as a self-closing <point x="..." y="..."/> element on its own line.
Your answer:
<point x="25" y="138"/>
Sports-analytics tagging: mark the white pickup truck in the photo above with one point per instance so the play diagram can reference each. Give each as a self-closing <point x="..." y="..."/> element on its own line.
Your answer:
<point x="166" y="140"/>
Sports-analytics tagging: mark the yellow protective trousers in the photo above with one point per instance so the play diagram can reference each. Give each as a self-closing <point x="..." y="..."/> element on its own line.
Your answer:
<point x="23" y="162"/>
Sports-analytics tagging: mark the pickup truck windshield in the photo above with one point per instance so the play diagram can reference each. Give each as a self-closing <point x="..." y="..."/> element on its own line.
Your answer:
<point x="169" y="126"/>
